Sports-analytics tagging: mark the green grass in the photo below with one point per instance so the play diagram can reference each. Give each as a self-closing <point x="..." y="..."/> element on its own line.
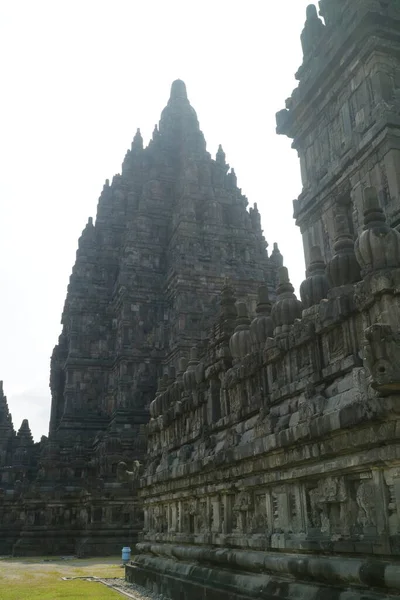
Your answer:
<point x="33" y="579"/>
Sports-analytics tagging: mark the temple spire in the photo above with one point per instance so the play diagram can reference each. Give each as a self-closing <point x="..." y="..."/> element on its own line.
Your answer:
<point x="24" y="435"/>
<point x="87" y="236"/>
<point x="178" y="90"/>
<point x="220" y="157"/>
<point x="179" y="124"/>
<point x="5" y="416"/>
<point x="137" y="143"/>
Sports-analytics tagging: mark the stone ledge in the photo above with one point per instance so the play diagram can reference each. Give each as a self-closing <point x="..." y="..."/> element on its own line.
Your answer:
<point x="238" y="575"/>
<point x="304" y="443"/>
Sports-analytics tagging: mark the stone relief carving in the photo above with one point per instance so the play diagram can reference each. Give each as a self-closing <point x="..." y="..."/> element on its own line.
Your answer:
<point x="366" y="500"/>
<point x="382" y="357"/>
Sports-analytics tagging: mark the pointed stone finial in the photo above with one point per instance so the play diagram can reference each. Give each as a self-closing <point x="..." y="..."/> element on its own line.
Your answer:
<point x="189" y="377"/>
<point x="228" y="301"/>
<point x="243" y="317"/>
<point x="232" y="178"/>
<point x="182" y="366"/>
<point x="24" y="435"/>
<point x="311" y="12"/>
<point x="255" y="218"/>
<point x="137" y="143"/>
<point x="240" y="342"/>
<point x="194" y="355"/>
<point x="373" y="212"/>
<point x="156" y="133"/>
<point x="179" y="125"/>
<point x="315" y="256"/>
<point x="276" y="256"/>
<point x="287" y="307"/>
<point x="263" y="305"/>
<point x="262" y="326"/>
<point x="178" y="90"/>
<point x="88" y="235"/>
<point x="313" y="30"/>
<point x="220" y="156"/>
<point x="378" y="246"/>
<point x="171" y="375"/>
<point x="4" y="413"/>
<point x="315" y="288"/>
<point x="343" y="268"/>
<point x="283" y="278"/>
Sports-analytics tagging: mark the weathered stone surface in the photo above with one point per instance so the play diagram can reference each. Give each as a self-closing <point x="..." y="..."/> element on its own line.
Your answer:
<point x="315" y="288"/>
<point x="287" y="307"/>
<point x="343" y="268"/>
<point x="378" y="246"/>
<point x="262" y="326"/>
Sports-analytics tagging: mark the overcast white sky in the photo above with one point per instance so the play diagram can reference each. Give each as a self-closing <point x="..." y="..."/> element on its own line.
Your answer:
<point x="78" y="77"/>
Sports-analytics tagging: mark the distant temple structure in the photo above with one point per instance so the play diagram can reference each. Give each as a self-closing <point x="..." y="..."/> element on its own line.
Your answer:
<point x="170" y="230"/>
<point x="273" y="458"/>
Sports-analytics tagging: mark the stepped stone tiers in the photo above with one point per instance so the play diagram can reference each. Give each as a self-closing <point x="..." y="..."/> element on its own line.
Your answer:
<point x="170" y="229"/>
<point x="273" y="457"/>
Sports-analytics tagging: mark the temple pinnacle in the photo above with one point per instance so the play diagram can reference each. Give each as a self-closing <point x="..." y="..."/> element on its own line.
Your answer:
<point x="178" y="90"/>
<point x="137" y="143"/>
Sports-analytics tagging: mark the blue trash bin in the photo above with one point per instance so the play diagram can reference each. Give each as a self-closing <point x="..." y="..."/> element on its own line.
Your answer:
<point x="126" y="554"/>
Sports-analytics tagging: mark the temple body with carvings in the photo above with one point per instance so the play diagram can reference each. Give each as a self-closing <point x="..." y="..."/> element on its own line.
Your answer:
<point x="170" y="229"/>
<point x="273" y="458"/>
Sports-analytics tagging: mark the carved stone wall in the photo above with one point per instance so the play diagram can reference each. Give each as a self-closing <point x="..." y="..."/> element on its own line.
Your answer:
<point x="283" y="442"/>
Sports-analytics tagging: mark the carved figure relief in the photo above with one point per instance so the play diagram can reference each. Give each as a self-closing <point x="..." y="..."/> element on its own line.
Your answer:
<point x="327" y="505"/>
<point x="336" y="344"/>
<point x="366" y="501"/>
<point x="259" y="520"/>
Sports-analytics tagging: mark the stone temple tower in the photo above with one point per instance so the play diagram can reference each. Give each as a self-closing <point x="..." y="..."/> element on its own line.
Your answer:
<point x="169" y="229"/>
<point x="344" y="117"/>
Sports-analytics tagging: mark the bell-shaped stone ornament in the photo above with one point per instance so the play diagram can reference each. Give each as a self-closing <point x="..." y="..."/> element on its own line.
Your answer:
<point x="343" y="268"/>
<point x="262" y="326"/>
<point x="240" y="342"/>
<point x="378" y="246"/>
<point x="315" y="288"/>
<point x="189" y="377"/>
<point x="287" y="307"/>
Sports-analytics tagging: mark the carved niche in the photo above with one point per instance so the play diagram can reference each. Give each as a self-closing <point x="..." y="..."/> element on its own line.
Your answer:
<point x="392" y="481"/>
<point x="366" y="502"/>
<point x="259" y="519"/>
<point x="243" y="505"/>
<point x="382" y="357"/>
<point x="327" y="505"/>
